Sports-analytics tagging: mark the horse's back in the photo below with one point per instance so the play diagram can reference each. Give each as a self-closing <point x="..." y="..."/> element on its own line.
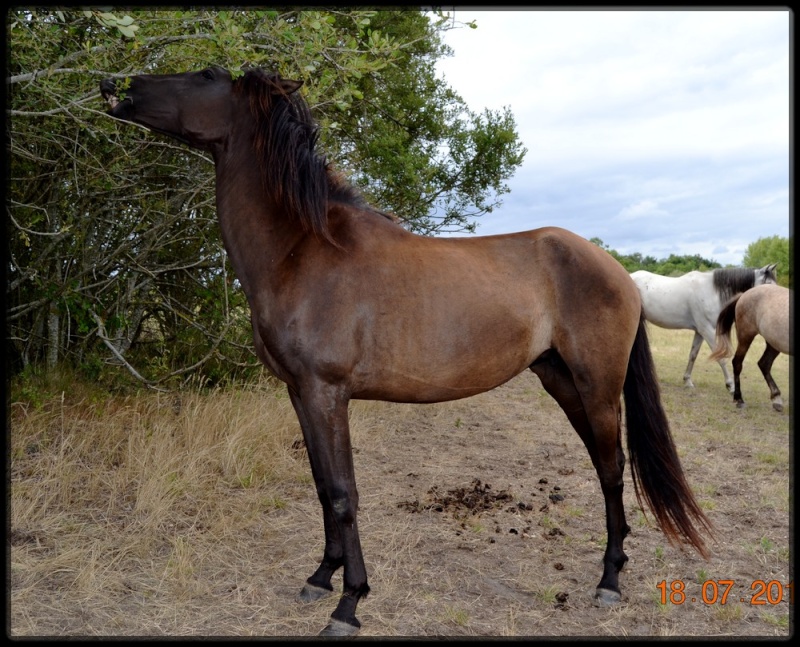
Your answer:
<point x="682" y="302"/>
<point x="567" y="274"/>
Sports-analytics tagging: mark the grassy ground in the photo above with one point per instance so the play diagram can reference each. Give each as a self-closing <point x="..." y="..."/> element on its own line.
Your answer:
<point x="195" y="514"/>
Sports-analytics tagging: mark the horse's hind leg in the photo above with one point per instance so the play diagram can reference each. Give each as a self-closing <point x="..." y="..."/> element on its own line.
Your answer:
<point x="602" y="437"/>
<point x="693" y="352"/>
<point x="765" y="364"/>
<point x="697" y="342"/>
<point x="742" y="346"/>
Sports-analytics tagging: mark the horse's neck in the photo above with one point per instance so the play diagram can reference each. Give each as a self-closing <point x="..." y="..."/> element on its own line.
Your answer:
<point x="256" y="232"/>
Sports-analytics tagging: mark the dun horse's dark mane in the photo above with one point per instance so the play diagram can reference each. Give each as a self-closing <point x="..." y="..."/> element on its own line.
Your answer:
<point x="730" y="281"/>
<point x="294" y="172"/>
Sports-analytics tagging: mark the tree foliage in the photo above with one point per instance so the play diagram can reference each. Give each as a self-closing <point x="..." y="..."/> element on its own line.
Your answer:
<point x="673" y="265"/>
<point x="114" y="252"/>
<point x="115" y="256"/>
<point x="452" y="164"/>
<point x="773" y="249"/>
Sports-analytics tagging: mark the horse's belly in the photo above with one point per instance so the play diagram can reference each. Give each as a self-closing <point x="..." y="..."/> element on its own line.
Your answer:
<point x="448" y="369"/>
<point x="433" y="386"/>
<point x="672" y="316"/>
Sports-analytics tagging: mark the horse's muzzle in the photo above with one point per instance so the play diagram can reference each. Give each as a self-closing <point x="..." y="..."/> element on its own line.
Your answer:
<point x="109" y="91"/>
<point x="117" y="108"/>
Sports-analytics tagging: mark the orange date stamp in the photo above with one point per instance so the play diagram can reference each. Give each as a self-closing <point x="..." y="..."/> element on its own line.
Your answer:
<point x="759" y="592"/>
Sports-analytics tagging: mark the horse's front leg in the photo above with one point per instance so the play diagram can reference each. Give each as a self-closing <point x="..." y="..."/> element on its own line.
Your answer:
<point x="319" y="585"/>
<point x="323" y="416"/>
<point x="765" y="364"/>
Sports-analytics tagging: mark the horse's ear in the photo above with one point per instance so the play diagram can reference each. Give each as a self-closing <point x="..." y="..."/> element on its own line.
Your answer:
<point x="287" y="86"/>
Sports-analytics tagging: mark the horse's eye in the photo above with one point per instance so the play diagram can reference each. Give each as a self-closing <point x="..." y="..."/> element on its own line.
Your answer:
<point x="208" y="74"/>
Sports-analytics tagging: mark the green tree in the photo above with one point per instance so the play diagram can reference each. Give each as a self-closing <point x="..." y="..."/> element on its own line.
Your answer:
<point x="674" y="265"/>
<point x="114" y="251"/>
<point x="772" y="249"/>
<point x="426" y="157"/>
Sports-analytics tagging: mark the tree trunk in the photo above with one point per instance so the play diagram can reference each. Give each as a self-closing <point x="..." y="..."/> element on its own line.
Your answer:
<point x="53" y="329"/>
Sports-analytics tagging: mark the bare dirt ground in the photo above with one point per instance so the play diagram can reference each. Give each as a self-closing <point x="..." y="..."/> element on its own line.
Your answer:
<point x="481" y="517"/>
<point x="500" y="526"/>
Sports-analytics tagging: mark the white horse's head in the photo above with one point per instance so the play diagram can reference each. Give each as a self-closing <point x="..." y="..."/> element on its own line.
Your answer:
<point x="766" y="274"/>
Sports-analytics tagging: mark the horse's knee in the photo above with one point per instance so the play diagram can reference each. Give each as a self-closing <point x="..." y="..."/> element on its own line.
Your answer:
<point x="343" y="507"/>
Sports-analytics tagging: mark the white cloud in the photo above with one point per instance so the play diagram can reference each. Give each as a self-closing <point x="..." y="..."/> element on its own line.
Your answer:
<point x="642" y="209"/>
<point x="683" y="112"/>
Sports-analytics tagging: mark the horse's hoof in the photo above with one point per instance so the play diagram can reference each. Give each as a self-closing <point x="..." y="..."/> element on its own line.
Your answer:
<point x="338" y="629"/>
<point x="606" y="598"/>
<point x="311" y="593"/>
<point x="740" y="405"/>
<point x="777" y="406"/>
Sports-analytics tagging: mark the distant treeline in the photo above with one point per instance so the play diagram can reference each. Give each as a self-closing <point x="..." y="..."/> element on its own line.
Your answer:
<point x="674" y="265"/>
<point x="773" y="249"/>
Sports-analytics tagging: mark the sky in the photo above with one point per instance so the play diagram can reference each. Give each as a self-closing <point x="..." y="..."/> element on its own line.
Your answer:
<point x="659" y="132"/>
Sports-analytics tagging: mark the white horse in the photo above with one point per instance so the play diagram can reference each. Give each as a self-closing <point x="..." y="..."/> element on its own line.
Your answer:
<point x="693" y="302"/>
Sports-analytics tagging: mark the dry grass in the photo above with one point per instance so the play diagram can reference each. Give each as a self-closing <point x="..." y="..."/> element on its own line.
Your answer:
<point x="194" y="515"/>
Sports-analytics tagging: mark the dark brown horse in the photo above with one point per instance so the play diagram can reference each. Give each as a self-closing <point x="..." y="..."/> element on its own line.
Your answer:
<point x="346" y="303"/>
<point x="762" y="310"/>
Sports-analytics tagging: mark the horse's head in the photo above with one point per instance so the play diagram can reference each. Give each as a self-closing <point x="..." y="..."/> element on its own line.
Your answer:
<point x="259" y="113"/>
<point x="197" y="108"/>
<point x="766" y="274"/>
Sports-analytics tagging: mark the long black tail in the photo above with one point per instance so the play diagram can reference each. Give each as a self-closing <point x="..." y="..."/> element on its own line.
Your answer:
<point x="725" y="319"/>
<point x="657" y="474"/>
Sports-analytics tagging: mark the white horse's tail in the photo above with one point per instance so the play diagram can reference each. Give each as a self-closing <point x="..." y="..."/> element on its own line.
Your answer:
<point x="722" y="347"/>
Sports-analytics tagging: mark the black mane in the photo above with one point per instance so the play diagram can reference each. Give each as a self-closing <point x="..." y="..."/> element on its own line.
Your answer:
<point x="730" y="281"/>
<point x="294" y="173"/>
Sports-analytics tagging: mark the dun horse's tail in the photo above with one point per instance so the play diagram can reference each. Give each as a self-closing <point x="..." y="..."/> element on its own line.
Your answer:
<point x="657" y="474"/>
<point x="722" y="347"/>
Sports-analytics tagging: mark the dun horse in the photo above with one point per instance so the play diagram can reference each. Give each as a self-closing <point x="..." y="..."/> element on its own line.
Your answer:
<point x="346" y="303"/>
<point x="763" y="310"/>
<point x="693" y="302"/>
